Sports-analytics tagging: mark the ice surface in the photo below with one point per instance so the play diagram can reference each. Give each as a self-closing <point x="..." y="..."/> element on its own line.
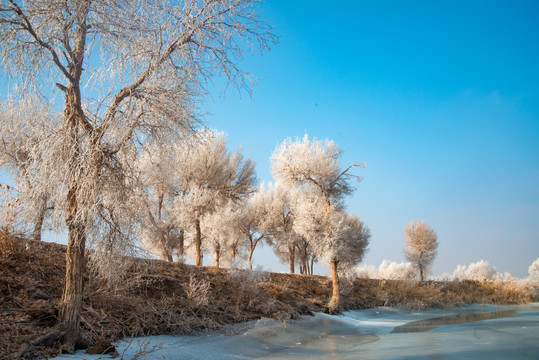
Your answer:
<point x="472" y="332"/>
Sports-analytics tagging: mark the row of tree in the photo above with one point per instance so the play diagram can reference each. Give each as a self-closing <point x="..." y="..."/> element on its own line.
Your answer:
<point x="481" y="270"/>
<point x="126" y="157"/>
<point x="194" y="195"/>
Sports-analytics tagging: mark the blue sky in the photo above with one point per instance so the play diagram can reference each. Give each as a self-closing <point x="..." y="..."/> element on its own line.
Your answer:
<point x="440" y="99"/>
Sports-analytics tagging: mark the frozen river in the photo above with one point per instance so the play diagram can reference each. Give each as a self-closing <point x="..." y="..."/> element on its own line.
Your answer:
<point x="471" y="332"/>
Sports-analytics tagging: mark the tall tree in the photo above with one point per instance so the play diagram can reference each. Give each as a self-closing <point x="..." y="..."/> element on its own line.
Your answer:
<point x="315" y="166"/>
<point x="131" y="73"/>
<point x="421" y="243"/>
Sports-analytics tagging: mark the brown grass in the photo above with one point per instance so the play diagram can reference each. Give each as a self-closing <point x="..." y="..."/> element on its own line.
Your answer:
<point x="170" y="298"/>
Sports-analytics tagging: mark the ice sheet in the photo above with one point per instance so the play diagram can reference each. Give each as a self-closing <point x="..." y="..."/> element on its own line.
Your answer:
<point x="513" y="333"/>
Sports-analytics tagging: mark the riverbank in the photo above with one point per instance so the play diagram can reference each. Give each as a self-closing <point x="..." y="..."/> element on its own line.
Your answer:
<point x="160" y="298"/>
<point x="467" y="332"/>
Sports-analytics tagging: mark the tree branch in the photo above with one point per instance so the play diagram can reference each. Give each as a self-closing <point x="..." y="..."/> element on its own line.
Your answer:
<point x="26" y="25"/>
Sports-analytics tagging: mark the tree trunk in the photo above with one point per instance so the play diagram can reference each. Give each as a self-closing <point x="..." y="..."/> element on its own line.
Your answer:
<point x="198" y="243"/>
<point x="291" y="256"/>
<point x="312" y="266"/>
<point x="251" y="257"/>
<point x="38" y="224"/>
<point x="181" y="245"/>
<point x="333" y="304"/>
<point x="421" y="274"/>
<point x="71" y="303"/>
<point x="217" y="256"/>
<point x="169" y="258"/>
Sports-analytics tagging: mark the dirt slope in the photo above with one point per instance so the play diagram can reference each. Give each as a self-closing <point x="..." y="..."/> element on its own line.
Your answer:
<point x="169" y="298"/>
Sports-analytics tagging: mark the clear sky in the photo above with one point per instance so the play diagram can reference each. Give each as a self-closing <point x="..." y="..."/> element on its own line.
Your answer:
<point x="439" y="99"/>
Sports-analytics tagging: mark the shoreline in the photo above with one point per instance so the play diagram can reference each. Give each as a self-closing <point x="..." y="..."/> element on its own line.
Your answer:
<point x="161" y="298"/>
<point x="349" y="333"/>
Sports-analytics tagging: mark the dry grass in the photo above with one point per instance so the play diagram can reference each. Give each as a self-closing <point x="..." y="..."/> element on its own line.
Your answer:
<point x="11" y="245"/>
<point x="158" y="297"/>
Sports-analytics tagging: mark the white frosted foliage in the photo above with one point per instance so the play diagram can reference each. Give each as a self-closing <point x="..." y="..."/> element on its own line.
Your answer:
<point x="533" y="270"/>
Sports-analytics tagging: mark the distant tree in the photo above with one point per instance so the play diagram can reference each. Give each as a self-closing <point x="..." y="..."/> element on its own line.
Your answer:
<point x="24" y="126"/>
<point x="254" y="221"/>
<point x="478" y="271"/>
<point x="314" y="166"/>
<point x="481" y="271"/>
<point x="222" y="232"/>
<point x="367" y="272"/>
<point x="158" y="190"/>
<point x="533" y="270"/>
<point x="421" y="244"/>
<point x="281" y="217"/>
<point x="391" y="270"/>
<point x="210" y="176"/>
<point x="131" y="73"/>
<point x="306" y="256"/>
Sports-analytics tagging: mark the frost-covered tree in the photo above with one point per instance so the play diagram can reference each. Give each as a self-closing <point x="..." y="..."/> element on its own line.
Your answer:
<point x="313" y="163"/>
<point x="130" y="73"/>
<point x="222" y="232"/>
<point x="478" y="271"/>
<point x="254" y="221"/>
<point x="280" y="215"/>
<point x="533" y="270"/>
<point x="337" y="238"/>
<point x="315" y="167"/>
<point x="158" y="190"/>
<point x="367" y="272"/>
<point x="421" y="243"/>
<point x="481" y="271"/>
<point x="23" y="126"/>
<point x="391" y="270"/>
<point x="306" y="255"/>
<point x="210" y="176"/>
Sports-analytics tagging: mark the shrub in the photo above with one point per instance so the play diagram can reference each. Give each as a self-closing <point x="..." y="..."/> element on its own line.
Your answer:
<point x="11" y="246"/>
<point x="197" y="292"/>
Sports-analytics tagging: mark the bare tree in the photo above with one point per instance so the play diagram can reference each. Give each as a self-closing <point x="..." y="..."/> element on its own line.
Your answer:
<point x="315" y="166"/>
<point x="210" y="176"/>
<point x="131" y="73"/>
<point x="421" y="244"/>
